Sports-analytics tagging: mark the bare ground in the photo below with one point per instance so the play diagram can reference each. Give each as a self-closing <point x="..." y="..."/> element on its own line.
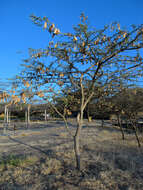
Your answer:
<point x="45" y="151"/>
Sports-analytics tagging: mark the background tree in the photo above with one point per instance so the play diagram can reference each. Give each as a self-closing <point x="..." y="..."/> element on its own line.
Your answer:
<point x="127" y="105"/>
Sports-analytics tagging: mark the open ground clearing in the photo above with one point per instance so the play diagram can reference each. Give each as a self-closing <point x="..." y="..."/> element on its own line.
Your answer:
<point x="42" y="157"/>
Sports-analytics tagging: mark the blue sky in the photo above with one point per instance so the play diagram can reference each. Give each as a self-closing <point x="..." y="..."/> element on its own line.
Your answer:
<point x="18" y="33"/>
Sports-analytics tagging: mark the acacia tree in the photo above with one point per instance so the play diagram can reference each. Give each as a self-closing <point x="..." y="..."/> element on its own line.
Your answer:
<point x="85" y="55"/>
<point x="127" y="105"/>
<point x="131" y="104"/>
<point x="114" y="103"/>
<point x="117" y="107"/>
<point x="4" y="97"/>
<point x="22" y="95"/>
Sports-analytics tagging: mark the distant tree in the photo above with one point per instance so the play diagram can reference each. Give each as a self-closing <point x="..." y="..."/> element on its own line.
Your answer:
<point x="4" y="98"/>
<point x="84" y="56"/>
<point x="128" y="104"/>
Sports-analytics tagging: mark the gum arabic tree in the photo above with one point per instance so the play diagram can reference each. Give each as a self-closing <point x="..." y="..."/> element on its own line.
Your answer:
<point x="86" y="55"/>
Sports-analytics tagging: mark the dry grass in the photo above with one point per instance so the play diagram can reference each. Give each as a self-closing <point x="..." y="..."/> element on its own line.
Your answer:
<point x="64" y="135"/>
<point x="108" y="163"/>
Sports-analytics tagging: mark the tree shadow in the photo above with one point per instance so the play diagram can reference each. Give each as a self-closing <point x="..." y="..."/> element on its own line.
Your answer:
<point x="47" y="152"/>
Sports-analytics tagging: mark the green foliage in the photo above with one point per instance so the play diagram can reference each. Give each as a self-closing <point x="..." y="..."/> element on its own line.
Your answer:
<point x="11" y="160"/>
<point x="16" y="161"/>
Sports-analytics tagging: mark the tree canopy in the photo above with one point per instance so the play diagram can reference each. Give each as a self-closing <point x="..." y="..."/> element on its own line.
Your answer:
<point x="81" y="60"/>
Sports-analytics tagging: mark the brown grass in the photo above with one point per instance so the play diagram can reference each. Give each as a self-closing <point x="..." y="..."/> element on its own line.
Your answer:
<point x="108" y="163"/>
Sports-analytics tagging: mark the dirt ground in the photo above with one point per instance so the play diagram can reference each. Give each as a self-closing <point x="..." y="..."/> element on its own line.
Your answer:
<point x="39" y="137"/>
<point x="108" y="162"/>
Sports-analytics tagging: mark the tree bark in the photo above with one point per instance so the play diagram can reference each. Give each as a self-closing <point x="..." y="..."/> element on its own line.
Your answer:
<point x="9" y="120"/>
<point x="121" y="128"/>
<point x="88" y="115"/>
<point x="26" y="120"/>
<point x="76" y="140"/>
<point x="136" y="134"/>
<point x="102" y="123"/>
<point x="28" y="114"/>
<point x="5" y="119"/>
<point x="45" y="115"/>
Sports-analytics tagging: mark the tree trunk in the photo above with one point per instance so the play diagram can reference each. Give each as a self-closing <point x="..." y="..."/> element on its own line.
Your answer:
<point x="88" y="115"/>
<point x="45" y="115"/>
<point x="26" y="120"/>
<point x="5" y="114"/>
<point x="136" y="134"/>
<point x="76" y="141"/>
<point x="121" y="128"/>
<point x="102" y="124"/>
<point x="9" y="120"/>
<point x="28" y="114"/>
<point x="5" y="120"/>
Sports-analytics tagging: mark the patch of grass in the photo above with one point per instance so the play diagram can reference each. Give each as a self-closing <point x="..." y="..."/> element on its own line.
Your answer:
<point x="35" y="133"/>
<point x="13" y="161"/>
<point x="63" y="135"/>
<point x="23" y="134"/>
<point x="92" y="183"/>
<point x="67" y="156"/>
<point x="2" y="167"/>
<point x="29" y="160"/>
<point x="51" y="166"/>
<point x="2" y="116"/>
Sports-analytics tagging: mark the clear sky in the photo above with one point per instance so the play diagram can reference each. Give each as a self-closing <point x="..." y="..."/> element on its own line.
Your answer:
<point x="18" y="33"/>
